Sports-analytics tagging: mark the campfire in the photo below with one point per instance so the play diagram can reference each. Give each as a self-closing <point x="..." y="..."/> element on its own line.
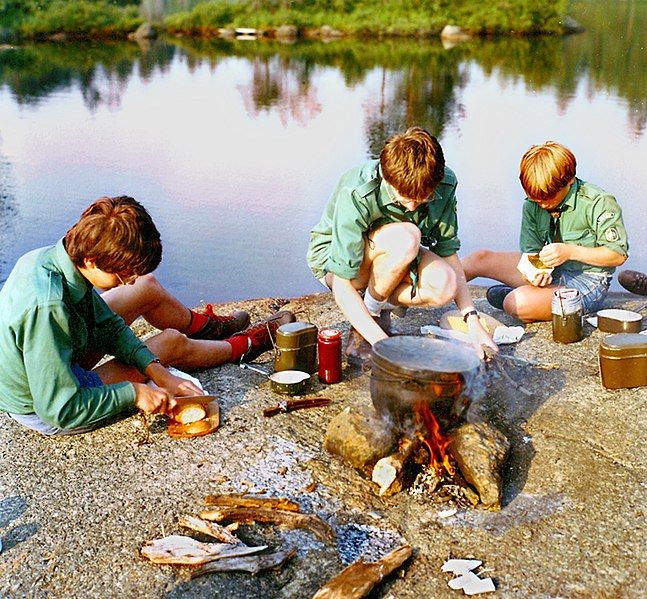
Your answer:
<point x="421" y="390"/>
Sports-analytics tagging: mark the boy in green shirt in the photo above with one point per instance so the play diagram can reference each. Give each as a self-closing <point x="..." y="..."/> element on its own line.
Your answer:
<point x="390" y="230"/>
<point x="55" y="327"/>
<point x="575" y="227"/>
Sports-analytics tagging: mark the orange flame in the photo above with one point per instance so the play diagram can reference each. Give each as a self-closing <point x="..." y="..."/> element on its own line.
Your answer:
<point x="434" y="439"/>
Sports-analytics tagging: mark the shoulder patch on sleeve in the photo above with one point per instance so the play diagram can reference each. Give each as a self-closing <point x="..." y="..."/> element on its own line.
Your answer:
<point x="611" y="234"/>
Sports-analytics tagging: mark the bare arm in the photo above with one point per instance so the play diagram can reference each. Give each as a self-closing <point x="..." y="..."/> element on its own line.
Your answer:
<point x="351" y="304"/>
<point x="555" y="254"/>
<point x="478" y="335"/>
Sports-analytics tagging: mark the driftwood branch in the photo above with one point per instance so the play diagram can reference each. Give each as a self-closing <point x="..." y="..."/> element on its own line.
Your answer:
<point x="278" y="503"/>
<point x="389" y="471"/>
<point x="273" y="516"/>
<point x="359" y="578"/>
<point x="177" y="549"/>
<point x="253" y="564"/>
<point x="208" y="528"/>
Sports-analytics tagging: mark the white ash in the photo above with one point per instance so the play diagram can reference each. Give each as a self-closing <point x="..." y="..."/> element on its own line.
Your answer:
<point x="355" y="541"/>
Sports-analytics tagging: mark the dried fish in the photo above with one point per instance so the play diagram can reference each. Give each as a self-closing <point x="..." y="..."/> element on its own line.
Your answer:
<point x="177" y="549"/>
<point x="208" y="528"/>
<point x="273" y="516"/>
<point x="253" y="564"/>
<point x="233" y="500"/>
<point x="359" y="578"/>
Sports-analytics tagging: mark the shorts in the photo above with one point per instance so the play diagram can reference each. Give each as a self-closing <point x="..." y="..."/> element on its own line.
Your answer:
<point x="87" y="379"/>
<point x="593" y="286"/>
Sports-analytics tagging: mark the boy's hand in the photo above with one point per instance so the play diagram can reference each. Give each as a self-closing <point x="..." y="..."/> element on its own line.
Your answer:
<point x="555" y="254"/>
<point x="542" y="279"/>
<point x="153" y="401"/>
<point x="177" y="386"/>
<point x="480" y="337"/>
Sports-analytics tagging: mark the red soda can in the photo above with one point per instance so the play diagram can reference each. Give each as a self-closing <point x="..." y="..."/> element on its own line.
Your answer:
<point x="329" y="348"/>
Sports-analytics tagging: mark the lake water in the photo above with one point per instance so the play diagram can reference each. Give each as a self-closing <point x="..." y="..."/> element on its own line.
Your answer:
<point x="235" y="147"/>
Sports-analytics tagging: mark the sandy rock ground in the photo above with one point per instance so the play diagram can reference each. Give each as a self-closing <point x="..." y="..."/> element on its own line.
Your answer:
<point x="75" y="511"/>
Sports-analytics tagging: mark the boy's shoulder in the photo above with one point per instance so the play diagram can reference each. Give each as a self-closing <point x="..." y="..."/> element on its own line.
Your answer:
<point x="363" y="179"/>
<point x="450" y="178"/>
<point x="591" y="192"/>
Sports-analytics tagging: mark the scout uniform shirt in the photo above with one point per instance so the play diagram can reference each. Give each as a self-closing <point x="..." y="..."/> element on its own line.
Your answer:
<point x="361" y="203"/>
<point x="50" y="317"/>
<point x="588" y="216"/>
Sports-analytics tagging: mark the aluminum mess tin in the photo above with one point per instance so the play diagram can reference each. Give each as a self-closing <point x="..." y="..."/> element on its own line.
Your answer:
<point x="619" y="321"/>
<point x="296" y="347"/>
<point x="623" y="361"/>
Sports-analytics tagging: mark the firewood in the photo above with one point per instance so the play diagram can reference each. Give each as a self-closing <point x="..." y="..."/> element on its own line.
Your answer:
<point x="389" y="471"/>
<point x="233" y="500"/>
<point x="360" y="577"/>
<point x="208" y="528"/>
<point x="177" y="549"/>
<point x="273" y="516"/>
<point x="253" y="564"/>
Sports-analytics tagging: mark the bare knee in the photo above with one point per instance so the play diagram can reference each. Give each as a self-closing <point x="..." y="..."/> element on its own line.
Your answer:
<point x="149" y="285"/>
<point x="400" y="241"/>
<point x="169" y="345"/>
<point x="473" y="263"/>
<point x="438" y="288"/>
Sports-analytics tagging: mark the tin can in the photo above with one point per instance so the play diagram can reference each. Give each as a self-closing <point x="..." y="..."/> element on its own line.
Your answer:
<point x="296" y="347"/>
<point x="329" y="349"/>
<point x="568" y="313"/>
<point x="623" y="361"/>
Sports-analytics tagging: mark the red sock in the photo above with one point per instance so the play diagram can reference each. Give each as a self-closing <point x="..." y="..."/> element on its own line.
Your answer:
<point x="239" y="346"/>
<point x="197" y="322"/>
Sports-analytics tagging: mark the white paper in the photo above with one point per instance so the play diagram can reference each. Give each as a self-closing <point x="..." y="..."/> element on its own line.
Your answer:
<point x="463" y="580"/>
<point x="504" y="335"/>
<point x="593" y="321"/>
<point x="480" y="585"/>
<point x="460" y="566"/>
<point x="180" y="374"/>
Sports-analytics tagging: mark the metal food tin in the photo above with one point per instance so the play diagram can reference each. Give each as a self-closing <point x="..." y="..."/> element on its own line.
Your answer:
<point x="296" y="347"/>
<point x="619" y="321"/>
<point x="623" y="361"/>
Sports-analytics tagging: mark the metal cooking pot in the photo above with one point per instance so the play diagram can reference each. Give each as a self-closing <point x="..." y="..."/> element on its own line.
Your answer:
<point x="409" y="370"/>
<point x="289" y="382"/>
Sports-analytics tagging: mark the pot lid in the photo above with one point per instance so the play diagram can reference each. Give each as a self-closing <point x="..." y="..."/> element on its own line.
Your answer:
<point x="421" y="354"/>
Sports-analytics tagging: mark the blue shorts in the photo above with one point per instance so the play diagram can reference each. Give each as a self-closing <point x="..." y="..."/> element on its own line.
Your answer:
<point x="593" y="286"/>
<point x="87" y="379"/>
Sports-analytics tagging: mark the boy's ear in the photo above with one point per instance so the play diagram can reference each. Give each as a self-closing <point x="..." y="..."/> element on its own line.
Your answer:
<point x="89" y="262"/>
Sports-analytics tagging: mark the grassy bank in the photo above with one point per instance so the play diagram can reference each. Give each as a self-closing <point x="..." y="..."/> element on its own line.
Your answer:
<point x="98" y="19"/>
<point x="371" y="18"/>
<point x="81" y="19"/>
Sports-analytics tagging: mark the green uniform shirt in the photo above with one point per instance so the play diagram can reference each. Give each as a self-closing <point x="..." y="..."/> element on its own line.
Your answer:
<point x="361" y="203"/>
<point x="50" y="317"/>
<point x="590" y="217"/>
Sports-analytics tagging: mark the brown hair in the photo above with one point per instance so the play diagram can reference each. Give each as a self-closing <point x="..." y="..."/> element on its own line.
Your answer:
<point x="119" y="234"/>
<point x="546" y="169"/>
<point x="413" y="163"/>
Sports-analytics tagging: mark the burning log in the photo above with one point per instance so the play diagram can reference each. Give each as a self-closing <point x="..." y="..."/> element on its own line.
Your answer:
<point x="177" y="549"/>
<point x="208" y="528"/>
<point x="278" y="503"/>
<point x="359" y="578"/>
<point x="246" y="515"/>
<point x="389" y="471"/>
<point x="480" y="451"/>
<point x="253" y="564"/>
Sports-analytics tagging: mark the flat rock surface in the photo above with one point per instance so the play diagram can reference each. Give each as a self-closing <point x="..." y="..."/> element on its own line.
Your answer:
<point x="75" y="511"/>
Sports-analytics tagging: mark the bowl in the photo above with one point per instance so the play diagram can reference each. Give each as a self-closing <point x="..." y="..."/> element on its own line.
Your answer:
<point x="619" y="321"/>
<point x="289" y="382"/>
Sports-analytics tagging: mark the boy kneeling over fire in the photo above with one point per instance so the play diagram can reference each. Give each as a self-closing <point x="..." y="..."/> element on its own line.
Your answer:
<point x="576" y="229"/>
<point x="390" y="230"/>
<point x="55" y="327"/>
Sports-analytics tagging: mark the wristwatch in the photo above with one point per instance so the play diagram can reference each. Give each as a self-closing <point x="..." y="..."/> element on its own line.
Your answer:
<point x="468" y="314"/>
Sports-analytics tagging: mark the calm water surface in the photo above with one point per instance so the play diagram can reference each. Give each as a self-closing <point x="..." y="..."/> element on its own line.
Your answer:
<point x="234" y="147"/>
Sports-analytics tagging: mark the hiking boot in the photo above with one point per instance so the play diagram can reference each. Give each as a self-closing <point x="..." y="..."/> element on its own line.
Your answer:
<point x="400" y="311"/>
<point x="496" y="294"/>
<point x="220" y="326"/>
<point x="358" y="350"/>
<point x="384" y="321"/>
<point x="633" y="281"/>
<point x="261" y="335"/>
